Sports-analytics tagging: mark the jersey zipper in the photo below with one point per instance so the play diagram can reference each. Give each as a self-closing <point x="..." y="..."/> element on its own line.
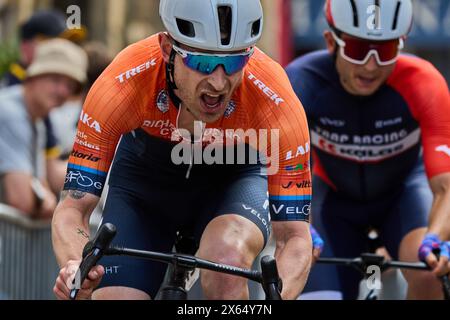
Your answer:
<point x="362" y="169"/>
<point x="191" y="158"/>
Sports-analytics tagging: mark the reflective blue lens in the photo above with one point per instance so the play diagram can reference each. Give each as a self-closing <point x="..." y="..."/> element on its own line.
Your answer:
<point x="208" y="63"/>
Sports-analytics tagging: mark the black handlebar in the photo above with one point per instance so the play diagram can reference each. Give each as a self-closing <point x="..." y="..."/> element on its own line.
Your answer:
<point x="444" y="279"/>
<point x="271" y="281"/>
<point x="100" y="246"/>
<point x="367" y="259"/>
<point x="92" y="252"/>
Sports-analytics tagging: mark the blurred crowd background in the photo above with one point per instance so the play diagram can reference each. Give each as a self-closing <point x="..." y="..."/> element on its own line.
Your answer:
<point x="292" y="27"/>
<point x="101" y="29"/>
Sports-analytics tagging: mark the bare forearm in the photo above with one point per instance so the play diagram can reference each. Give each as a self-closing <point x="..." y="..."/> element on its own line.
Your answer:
<point x="70" y="225"/>
<point x="69" y="235"/>
<point x="440" y="212"/>
<point x="440" y="217"/>
<point x="294" y="263"/>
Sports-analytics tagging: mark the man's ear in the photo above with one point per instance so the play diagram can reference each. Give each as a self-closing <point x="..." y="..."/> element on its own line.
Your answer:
<point x="329" y="41"/>
<point x="165" y="43"/>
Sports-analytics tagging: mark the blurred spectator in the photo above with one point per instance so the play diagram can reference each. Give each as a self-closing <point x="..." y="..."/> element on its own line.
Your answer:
<point x="99" y="58"/>
<point x="43" y="25"/>
<point x="65" y="118"/>
<point x="57" y="72"/>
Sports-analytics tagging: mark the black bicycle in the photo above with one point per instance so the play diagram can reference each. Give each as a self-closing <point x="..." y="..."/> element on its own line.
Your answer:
<point x="182" y="266"/>
<point x="366" y="260"/>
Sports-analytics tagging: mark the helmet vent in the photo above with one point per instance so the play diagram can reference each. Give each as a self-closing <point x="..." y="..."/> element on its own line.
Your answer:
<point x="186" y="28"/>
<point x="397" y="11"/>
<point x="225" y="23"/>
<point x="355" y="14"/>
<point x="256" y="28"/>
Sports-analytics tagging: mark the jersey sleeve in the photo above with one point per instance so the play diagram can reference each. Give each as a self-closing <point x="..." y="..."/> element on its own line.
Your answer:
<point x="112" y="108"/>
<point x="288" y="168"/>
<point x="427" y="94"/>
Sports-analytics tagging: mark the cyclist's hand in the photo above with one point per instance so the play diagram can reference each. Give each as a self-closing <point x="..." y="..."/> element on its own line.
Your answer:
<point x="317" y="243"/>
<point x="439" y="266"/>
<point x="67" y="274"/>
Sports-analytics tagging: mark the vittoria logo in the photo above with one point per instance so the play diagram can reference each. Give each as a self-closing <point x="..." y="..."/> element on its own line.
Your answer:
<point x="162" y="102"/>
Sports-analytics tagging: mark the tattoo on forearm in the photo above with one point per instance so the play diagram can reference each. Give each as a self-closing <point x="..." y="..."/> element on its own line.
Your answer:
<point x="77" y="195"/>
<point x="83" y="233"/>
<point x="74" y="194"/>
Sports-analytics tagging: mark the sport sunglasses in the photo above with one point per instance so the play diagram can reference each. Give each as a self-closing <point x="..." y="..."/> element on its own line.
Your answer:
<point x="206" y="63"/>
<point x="358" y="51"/>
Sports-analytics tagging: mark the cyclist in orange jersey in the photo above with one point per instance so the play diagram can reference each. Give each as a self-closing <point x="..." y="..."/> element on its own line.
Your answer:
<point x="213" y="141"/>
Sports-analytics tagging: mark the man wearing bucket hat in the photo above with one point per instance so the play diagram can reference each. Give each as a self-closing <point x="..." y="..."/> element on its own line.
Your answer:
<point x="42" y="25"/>
<point x="57" y="72"/>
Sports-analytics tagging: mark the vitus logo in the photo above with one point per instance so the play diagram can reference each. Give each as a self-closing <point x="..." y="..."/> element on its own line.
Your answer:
<point x="299" y="184"/>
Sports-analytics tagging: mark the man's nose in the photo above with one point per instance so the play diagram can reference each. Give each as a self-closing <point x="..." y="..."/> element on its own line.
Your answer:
<point x="218" y="79"/>
<point x="372" y="64"/>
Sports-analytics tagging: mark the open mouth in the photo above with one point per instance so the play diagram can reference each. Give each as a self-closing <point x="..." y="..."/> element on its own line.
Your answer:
<point x="366" y="81"/>
<point x="212" y="102"/>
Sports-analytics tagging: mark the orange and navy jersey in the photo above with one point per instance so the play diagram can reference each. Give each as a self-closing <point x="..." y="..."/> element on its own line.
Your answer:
<point x="131" y="94"/>
<point x="364" y="147"/>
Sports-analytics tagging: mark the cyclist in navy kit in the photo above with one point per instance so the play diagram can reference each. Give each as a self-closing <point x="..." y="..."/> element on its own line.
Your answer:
<point x="380" y="134"/>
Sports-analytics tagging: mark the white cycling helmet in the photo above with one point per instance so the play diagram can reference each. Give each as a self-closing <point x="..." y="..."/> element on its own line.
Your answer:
<point x="370" y="19"/>
<point x="217" y="25"/>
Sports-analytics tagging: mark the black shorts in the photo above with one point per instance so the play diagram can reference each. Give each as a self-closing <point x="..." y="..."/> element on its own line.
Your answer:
<point x="343" y="224"/>
<point x="150" y="199"/>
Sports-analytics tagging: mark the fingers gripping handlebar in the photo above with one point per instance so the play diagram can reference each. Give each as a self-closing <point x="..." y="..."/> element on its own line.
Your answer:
<point x="92" y="253"/>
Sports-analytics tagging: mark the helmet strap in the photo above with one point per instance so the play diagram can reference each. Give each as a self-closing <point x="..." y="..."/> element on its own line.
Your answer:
<point x="336" y="47"/>
<point x="170" y="79"/>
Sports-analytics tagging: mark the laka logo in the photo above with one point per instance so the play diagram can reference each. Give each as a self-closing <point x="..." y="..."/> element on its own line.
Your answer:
<point x="91" y="123"/>
<point x="301" y="151"/>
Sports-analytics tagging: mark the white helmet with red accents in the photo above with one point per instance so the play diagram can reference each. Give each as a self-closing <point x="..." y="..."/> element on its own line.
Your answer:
<point x="217" y="25"/>
<point x="370" y="19"/>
